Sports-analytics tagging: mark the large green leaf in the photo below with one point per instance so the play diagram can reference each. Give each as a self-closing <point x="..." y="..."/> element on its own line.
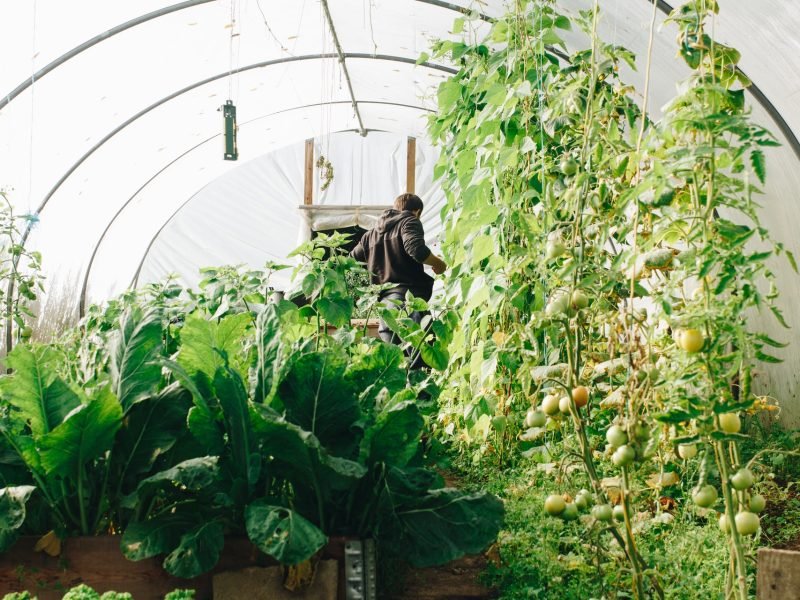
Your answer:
<point x="85" y="434"/>
<point x="134" y="352"/>
<point x="197" y="552"/>
<point x="298" y="455"/>
<point x="145" y="539"/>
<point x="206" y="344"/>
<point x="380" y="367"/>
<point x="443" y="525"/>
<point x="150" y="429"/>
<point x="12" y="513"/>
<point x="282" y="533"/>
<point x="394" y="437"/>
<point x="336" y="310"/>
<point x="202" y="417"/>
<point x="232" y="397"/>
<point x="317" y="397"/>
<point x="192" y="475"/>
<point x="42" y="399"/>
<point x="265" y="353"/>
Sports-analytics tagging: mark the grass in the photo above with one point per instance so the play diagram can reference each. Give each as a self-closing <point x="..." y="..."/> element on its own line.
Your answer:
<point x="539" y="557"/>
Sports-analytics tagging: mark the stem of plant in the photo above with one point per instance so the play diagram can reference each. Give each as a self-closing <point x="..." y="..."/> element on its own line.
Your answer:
<point x="737" y="549"/>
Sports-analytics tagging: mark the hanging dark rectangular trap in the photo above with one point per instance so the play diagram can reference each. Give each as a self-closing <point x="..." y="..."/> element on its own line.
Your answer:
<point x="229" y="115"/>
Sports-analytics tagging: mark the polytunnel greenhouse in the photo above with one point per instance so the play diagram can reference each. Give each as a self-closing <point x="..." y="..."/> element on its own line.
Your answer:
<point x="356" y="299"/>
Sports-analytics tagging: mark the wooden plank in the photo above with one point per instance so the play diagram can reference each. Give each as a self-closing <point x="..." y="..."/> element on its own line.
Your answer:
<point x="99" y="563"/>
<point x="411" y="165"/>
<point x="778" y="574"/>
<point x="308" y="188"/>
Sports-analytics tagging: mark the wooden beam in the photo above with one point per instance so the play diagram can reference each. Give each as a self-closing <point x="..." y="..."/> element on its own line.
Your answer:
<point x="411" y="165"/>
<point x="308" y="194"/>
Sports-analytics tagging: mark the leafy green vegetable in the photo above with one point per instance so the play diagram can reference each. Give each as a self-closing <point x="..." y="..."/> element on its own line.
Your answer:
<point x="282" y="533"/>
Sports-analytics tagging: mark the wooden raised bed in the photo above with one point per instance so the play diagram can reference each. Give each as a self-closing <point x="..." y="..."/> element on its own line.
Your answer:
<point x="98" y="562"/>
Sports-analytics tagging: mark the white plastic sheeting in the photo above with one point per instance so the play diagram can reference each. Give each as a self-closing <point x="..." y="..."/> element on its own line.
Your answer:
<point x="252" y="215"/>
<point x="97" y="141"/>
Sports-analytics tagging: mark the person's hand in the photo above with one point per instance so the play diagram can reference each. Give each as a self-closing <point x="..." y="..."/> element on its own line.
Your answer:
<point x="439" y="266"/>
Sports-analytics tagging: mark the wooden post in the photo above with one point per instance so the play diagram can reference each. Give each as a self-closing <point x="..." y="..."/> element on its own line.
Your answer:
<point x="411" y="165"/>
<point x="778" y="574"/>
<point x="308" y="195"/>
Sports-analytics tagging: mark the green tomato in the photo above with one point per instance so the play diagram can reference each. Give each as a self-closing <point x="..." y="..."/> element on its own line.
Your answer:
<point x="570" y="512"/>
<point x="757" y="503"/>
<point x="582" y="501"/>
<point x="743" y="479"/>
<point x="691" y="340"/>
<point x="723" y="523"/>
<point x="623" y="456"/>
<point x="730" y="423"/>
<point x="554" y="505"/>
<point x="568" y="166"/>
<point x="579" y="300"/>
<point x="705" y="496"/>
<point x="554" y="249"/>
<point x="747" y="523"/>
<point x="687" y="451"/>
<point x="616" y="436"/>
<point x="563" y="405"/>
<point x="619" y="512"/>
<point x="557" y="306"/>
<point x="550" y="405"/>
<point x="603" y="512"/>
<point x="535" y="418"/>
<point x="25" y="333"/>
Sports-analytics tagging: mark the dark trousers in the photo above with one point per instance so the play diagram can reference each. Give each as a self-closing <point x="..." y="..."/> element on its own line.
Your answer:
<point x="397" y="300"/>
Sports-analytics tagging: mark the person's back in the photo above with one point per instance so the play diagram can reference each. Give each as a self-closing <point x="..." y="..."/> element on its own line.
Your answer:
<point x="395" y="253"/>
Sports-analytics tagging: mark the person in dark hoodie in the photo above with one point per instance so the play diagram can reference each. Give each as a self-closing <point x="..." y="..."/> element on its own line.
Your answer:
<point x="395" y="253"/>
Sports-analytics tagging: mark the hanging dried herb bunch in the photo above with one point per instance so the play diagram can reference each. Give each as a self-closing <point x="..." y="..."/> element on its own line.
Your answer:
<point x="326" y="172"/>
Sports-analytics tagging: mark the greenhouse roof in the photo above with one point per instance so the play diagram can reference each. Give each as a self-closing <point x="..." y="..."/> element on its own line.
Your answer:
<point x="110" y="129"/>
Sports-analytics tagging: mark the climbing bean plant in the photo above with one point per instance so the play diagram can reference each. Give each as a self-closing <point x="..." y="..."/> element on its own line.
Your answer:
<point x="604" y="266"/>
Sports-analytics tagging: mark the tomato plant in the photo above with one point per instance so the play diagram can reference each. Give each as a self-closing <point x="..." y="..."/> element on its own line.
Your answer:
<point x="593" y="248"/>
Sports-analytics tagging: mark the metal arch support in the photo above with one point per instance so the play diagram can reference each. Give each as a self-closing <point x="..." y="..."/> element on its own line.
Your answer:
<point x="456" y="8"/>
<point x="258" y="65"/>
<point x="135" y="279"/>
<point x="759" y="95"/>
<point x="95" y="250"/>
<point x="343" y="63"/>
<point x="95" y="40"/>
<point x="5" y="100"/>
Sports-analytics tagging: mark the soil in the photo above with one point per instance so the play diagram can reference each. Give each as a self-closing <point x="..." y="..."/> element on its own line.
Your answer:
<point x="777" y="509"/>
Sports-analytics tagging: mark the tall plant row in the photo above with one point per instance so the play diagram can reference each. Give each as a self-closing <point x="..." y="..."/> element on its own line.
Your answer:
<point x="605" y="267"/>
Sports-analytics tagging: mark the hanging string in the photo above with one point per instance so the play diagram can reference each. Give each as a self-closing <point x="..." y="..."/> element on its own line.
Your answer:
<point x="30" y="140"/>
<point x="230" y="49"/>
<point x="371" y="29"/>
<point x="269" y="30"/>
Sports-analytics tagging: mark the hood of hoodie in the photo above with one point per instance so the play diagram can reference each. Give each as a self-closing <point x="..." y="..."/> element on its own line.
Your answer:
<point x="390" y="218"/>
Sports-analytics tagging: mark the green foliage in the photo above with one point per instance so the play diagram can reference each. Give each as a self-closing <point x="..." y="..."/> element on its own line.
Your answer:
<point x="577" y="230"/>
<point x="84" y="592"/>
<point x="178" y="428"/>
<point x="20" y="273"/>
<point x="12" y="513"/>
